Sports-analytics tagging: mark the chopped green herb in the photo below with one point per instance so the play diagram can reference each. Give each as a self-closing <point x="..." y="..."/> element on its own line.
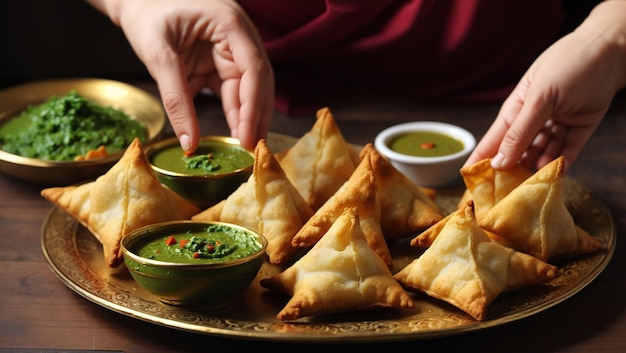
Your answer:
<point x="65" y="127"/>
<point x="205" y="162"/>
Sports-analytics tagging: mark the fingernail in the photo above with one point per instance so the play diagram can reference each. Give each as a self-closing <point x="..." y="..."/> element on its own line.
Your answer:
<point x="184" y="142"/>
<point x="497" y="160"/>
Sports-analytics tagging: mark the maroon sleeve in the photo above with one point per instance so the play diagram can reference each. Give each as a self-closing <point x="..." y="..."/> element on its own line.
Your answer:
<point x="427" y="49"/>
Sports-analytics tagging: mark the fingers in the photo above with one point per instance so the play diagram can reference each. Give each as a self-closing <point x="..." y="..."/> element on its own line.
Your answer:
<point x="574" y="140"/>
<point x="523" y="130"/>
<point x="548" y="144"/>
<point x="522" y="139"/>
<point x="489" y="144"/>
<point x="248" y="113"/>
<point x="177" y="99"/>
<point x="520" y="133"/>
<point x="248" y="98"/>
<point x="257" y="106"/>
<point x="487" y="147"/>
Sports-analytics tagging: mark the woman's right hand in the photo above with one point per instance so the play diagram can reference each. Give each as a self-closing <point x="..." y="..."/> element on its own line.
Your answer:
<point x="189" y="45"/>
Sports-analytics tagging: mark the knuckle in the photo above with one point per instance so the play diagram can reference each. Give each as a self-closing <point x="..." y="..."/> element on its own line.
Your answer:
<point x="173" y="103"/>
<point x="512" y="138"/>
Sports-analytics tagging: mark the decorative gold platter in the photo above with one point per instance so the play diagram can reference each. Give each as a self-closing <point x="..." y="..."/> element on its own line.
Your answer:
<point x="75" y="256"/>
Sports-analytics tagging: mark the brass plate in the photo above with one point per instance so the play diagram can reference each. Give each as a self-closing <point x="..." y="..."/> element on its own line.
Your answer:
<point x="139" y="104"/>
<point x="75" y="256"/>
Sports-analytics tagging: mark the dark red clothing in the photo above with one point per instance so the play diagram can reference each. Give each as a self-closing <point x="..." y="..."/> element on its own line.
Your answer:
<point x="469" y="50"/>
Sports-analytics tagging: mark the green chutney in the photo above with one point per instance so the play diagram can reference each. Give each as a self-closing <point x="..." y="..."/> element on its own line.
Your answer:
<point x="210" y="158"/>
<point x="65" y="127"/>
<point x="425" y="144"/>
<point x="217" y="244"/>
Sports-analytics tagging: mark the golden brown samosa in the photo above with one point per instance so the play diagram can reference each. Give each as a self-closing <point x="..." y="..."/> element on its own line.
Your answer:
<point x="126" y="197"/>
<point x="533" y="218"/>
<point x="340" y="273"/>
<point x="320" y="161"/>
<point x="267" y="203"/>
<point x="358" y="192"/>
<point x="465" y="268"/>
<point x="404" y="207"/>
<point x="428" y="236"/>
<point x="486" y="186"/>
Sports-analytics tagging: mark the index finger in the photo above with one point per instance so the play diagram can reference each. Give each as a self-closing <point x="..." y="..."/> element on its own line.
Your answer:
<point x="521" y="131"/>
<point x="249" y="104"/>
<point x="177" y="101"/>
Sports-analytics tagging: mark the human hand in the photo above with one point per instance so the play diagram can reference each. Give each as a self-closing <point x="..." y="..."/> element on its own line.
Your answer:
<point x="560" y="101"/>
<point x="188" y="45"/>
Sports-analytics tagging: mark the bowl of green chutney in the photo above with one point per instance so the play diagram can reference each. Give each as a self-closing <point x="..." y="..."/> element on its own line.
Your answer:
<point x="217" y="168"/>
<point x="50" y="129"/>
<point x="194" y="263"/>
<point x="429" y="153"/>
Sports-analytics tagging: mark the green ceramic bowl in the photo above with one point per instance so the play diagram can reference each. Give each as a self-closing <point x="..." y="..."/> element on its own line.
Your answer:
<point x="201" y="282"/>
<point x="201" y="186"/>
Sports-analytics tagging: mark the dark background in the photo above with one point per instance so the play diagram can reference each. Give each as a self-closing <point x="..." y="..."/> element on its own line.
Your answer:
<point x="42" y="39"/>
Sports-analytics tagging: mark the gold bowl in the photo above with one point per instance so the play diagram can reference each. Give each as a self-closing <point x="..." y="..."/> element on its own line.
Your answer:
<point x="137" y="103"/>
<point x="203" y="189"/>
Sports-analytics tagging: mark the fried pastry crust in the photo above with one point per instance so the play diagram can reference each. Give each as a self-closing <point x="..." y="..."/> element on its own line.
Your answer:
<point x="404" y="207"/>
<point x="125" y="198"/>
<point x="465" y="268"/>
<point x="320" y="161"/>
<point x="534" y="219"/>
<point x="340" y="273"/>
<point x="486" y="186"/>
<point x="267" y="203"/>
<point x="358" y="192"/>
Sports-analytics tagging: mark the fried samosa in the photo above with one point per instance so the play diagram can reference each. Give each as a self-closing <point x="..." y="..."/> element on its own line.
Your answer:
<point x="404" y="207"/>
<point x="267" y="203"/>
<point x="534" y="219"/>
<point x="465" y="268"/>
<point x="340" y="273"/>
<point x="320" y="161"/>
<point x="126" y="197"/>
<point x="359" y="192"/>
<point x="428" y="236"/>
<point x="486" y="186"/>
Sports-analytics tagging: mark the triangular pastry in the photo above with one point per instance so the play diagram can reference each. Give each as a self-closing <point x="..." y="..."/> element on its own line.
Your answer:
<point x="404" y="207"/>
<point x="534" y="219"/>
<point x="320" y="161"/>
<point x="486" y="186"/>
<point x="359" y="192"/>
<point x="267" y="203"/>
<point x="340" y="273"/>
<point x="125" y="198"/>
<point x="465" y="268"/>
<point x="428" y="236"/>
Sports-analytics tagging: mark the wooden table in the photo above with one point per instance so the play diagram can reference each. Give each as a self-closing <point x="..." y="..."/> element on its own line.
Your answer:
<point x="39" y="313"/>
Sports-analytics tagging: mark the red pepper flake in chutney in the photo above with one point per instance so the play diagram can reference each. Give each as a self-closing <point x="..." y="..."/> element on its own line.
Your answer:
<point x="193" y="247"/>
<point x="425" y="144"/>
<point x="170" y="240"/>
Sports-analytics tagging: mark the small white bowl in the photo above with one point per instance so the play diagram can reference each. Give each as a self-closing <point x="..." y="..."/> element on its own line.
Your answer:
<point x="427" y="171"/>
